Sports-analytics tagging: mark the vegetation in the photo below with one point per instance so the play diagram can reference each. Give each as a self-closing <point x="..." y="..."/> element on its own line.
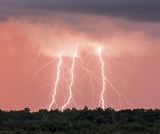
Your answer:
<point x="73" y="121"/>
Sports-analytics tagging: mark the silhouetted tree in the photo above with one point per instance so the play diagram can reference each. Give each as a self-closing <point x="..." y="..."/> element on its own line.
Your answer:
<point x="75" y="121"/>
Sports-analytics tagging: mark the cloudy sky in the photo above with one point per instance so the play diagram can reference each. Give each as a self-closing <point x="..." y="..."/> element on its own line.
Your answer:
<point x="127" y="30"/>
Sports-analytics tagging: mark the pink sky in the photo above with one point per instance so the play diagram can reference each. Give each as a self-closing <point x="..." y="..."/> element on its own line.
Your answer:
<point x="124" y="42"/>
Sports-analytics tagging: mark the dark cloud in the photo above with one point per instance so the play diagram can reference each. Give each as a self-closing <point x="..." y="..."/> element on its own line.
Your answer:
<point x="139" y="10"/>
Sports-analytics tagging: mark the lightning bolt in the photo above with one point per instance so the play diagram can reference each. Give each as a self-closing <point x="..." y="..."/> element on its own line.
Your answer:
<point x="72" y="80"/>
<point x="103" y="75"/>
<point x="56" y="83"/>
<point x="67" y="75"/>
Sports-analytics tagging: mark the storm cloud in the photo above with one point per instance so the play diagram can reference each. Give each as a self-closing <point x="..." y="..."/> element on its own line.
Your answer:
<point x="138" y="10"/>
<point x="53" y="26"/>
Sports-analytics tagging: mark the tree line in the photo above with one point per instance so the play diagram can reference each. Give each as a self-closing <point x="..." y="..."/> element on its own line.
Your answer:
<point x="85" y="121"/>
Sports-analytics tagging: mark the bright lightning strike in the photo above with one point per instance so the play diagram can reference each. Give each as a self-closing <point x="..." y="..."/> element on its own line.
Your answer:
<point x="104" y="78"/>
<point x="72" y="80"/>
<point x="86" y="73"/>
<point x="56" y="83"/>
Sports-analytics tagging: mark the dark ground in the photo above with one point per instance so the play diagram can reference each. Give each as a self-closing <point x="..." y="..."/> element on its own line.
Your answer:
<point x="72" y="121"/>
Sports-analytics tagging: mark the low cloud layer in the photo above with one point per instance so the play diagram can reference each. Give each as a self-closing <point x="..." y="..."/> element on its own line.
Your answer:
<point x="138" y="10"/>
<point x="57" y="36"/>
